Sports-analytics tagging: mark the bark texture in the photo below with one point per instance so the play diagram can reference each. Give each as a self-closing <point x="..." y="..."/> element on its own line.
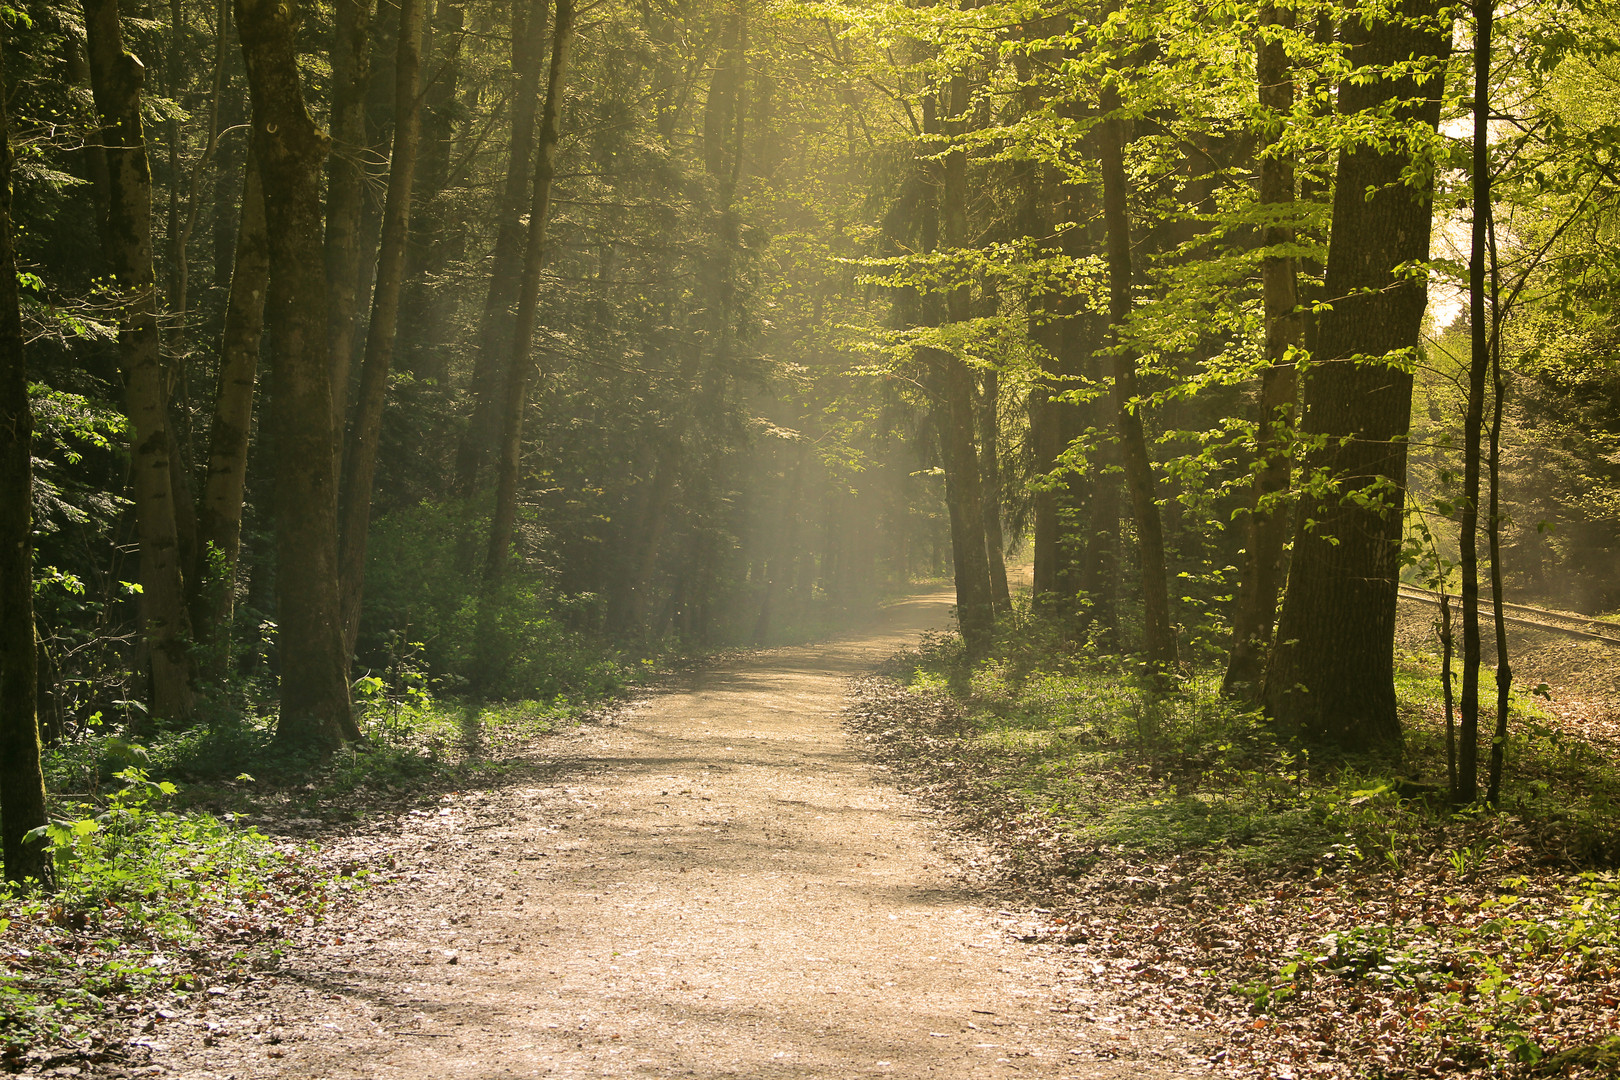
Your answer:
<point x="116" y="79"/>
<point x="22" y="784"/>
<point x="360" y="453"/>
<point x="315" y="710"/>
<point x="1331" y="673"/>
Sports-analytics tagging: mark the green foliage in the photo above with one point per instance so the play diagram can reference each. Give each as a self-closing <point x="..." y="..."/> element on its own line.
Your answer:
<point x="145" y="895"/>
<point x="1115" y="761"/>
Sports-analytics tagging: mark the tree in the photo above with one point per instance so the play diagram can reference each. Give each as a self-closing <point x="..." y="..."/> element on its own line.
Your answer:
<point x="219" y="513"/>
<point x="360" y="452"/>
<point x="520" y="365"/>
<point x="116" y="77"/>
<point x="343" y="250"/>
<point x="315" y="710"/>
<point x="494" y="324"/>
<point x="975" y="600"/>
<point x="1255" y="611"/>
<point x="22" y="784"/>
<point x="1331" y="673"/>
<point x="1159" y="643"/>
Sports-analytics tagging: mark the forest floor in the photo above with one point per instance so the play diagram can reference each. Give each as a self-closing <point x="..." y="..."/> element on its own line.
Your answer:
<point x="711" y="881"/>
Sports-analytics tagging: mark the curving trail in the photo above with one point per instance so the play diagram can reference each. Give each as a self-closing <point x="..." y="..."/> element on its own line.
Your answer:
<point x="712" y="884"/>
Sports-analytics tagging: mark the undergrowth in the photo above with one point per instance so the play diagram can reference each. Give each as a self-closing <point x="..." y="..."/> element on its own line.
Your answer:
<point x="164" y="890"/>
<point x="1321" y="907"/>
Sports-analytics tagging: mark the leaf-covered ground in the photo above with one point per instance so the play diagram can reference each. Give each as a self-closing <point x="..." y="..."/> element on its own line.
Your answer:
<point x="88" y="983"/>
<point x="1304" y="946"/>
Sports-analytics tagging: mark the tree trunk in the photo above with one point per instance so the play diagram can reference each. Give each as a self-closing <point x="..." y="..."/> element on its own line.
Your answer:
<point x="1504" y="667"/>
<point x="520" y="365"/>
<point x="22" y="784"/>
<point x="494" y="326"/>
<point x="1160" y="633"/>
<point x="220" y="515"/>
<point x="1048" y="310"/>
<point x="990" y="470"/>
<point x="438" y="235"/>
<point x="360" y="455"/>
<point x="1256" y="609"/>
<point x="315" y="710"/>
<point x="1487" y="319"/>
<point x="343" y="249"/>
<point x="1466" y="787"/>
<point x="975" y="609"/>
<point x="1331" y="673"/>
<point x="116" y="77"/>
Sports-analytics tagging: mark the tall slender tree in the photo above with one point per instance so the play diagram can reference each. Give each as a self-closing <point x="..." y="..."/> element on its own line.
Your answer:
<point x="22" y="783"/>
<point x="1159" y="642"/>
<point x="1255" y="612"/>
<point x="116" y="78"/>
<point x="219" y="514"/>
<point x="360" y="452"/>
<point x="520" y="364"/>
<point x="975" y="602"/>
<point x="315" y="708"/>
<point x="349" y="162"/>
<point x="494" y="323"/>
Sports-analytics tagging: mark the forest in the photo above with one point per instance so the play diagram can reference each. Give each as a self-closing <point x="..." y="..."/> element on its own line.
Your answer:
<point x="384" y="384"/>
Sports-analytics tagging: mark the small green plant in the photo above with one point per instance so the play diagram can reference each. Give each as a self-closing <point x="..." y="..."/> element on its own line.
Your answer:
<point x="150" y="899"/>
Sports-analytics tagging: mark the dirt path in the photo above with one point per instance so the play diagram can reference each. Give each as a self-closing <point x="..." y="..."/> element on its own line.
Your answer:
<point x="714" y="884"/>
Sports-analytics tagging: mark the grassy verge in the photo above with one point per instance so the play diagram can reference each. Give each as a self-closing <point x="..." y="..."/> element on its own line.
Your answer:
<point x="1308" y="916"/>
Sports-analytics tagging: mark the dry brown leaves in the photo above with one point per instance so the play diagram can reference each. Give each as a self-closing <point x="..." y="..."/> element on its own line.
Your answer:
<point x="1465" y="966"/>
